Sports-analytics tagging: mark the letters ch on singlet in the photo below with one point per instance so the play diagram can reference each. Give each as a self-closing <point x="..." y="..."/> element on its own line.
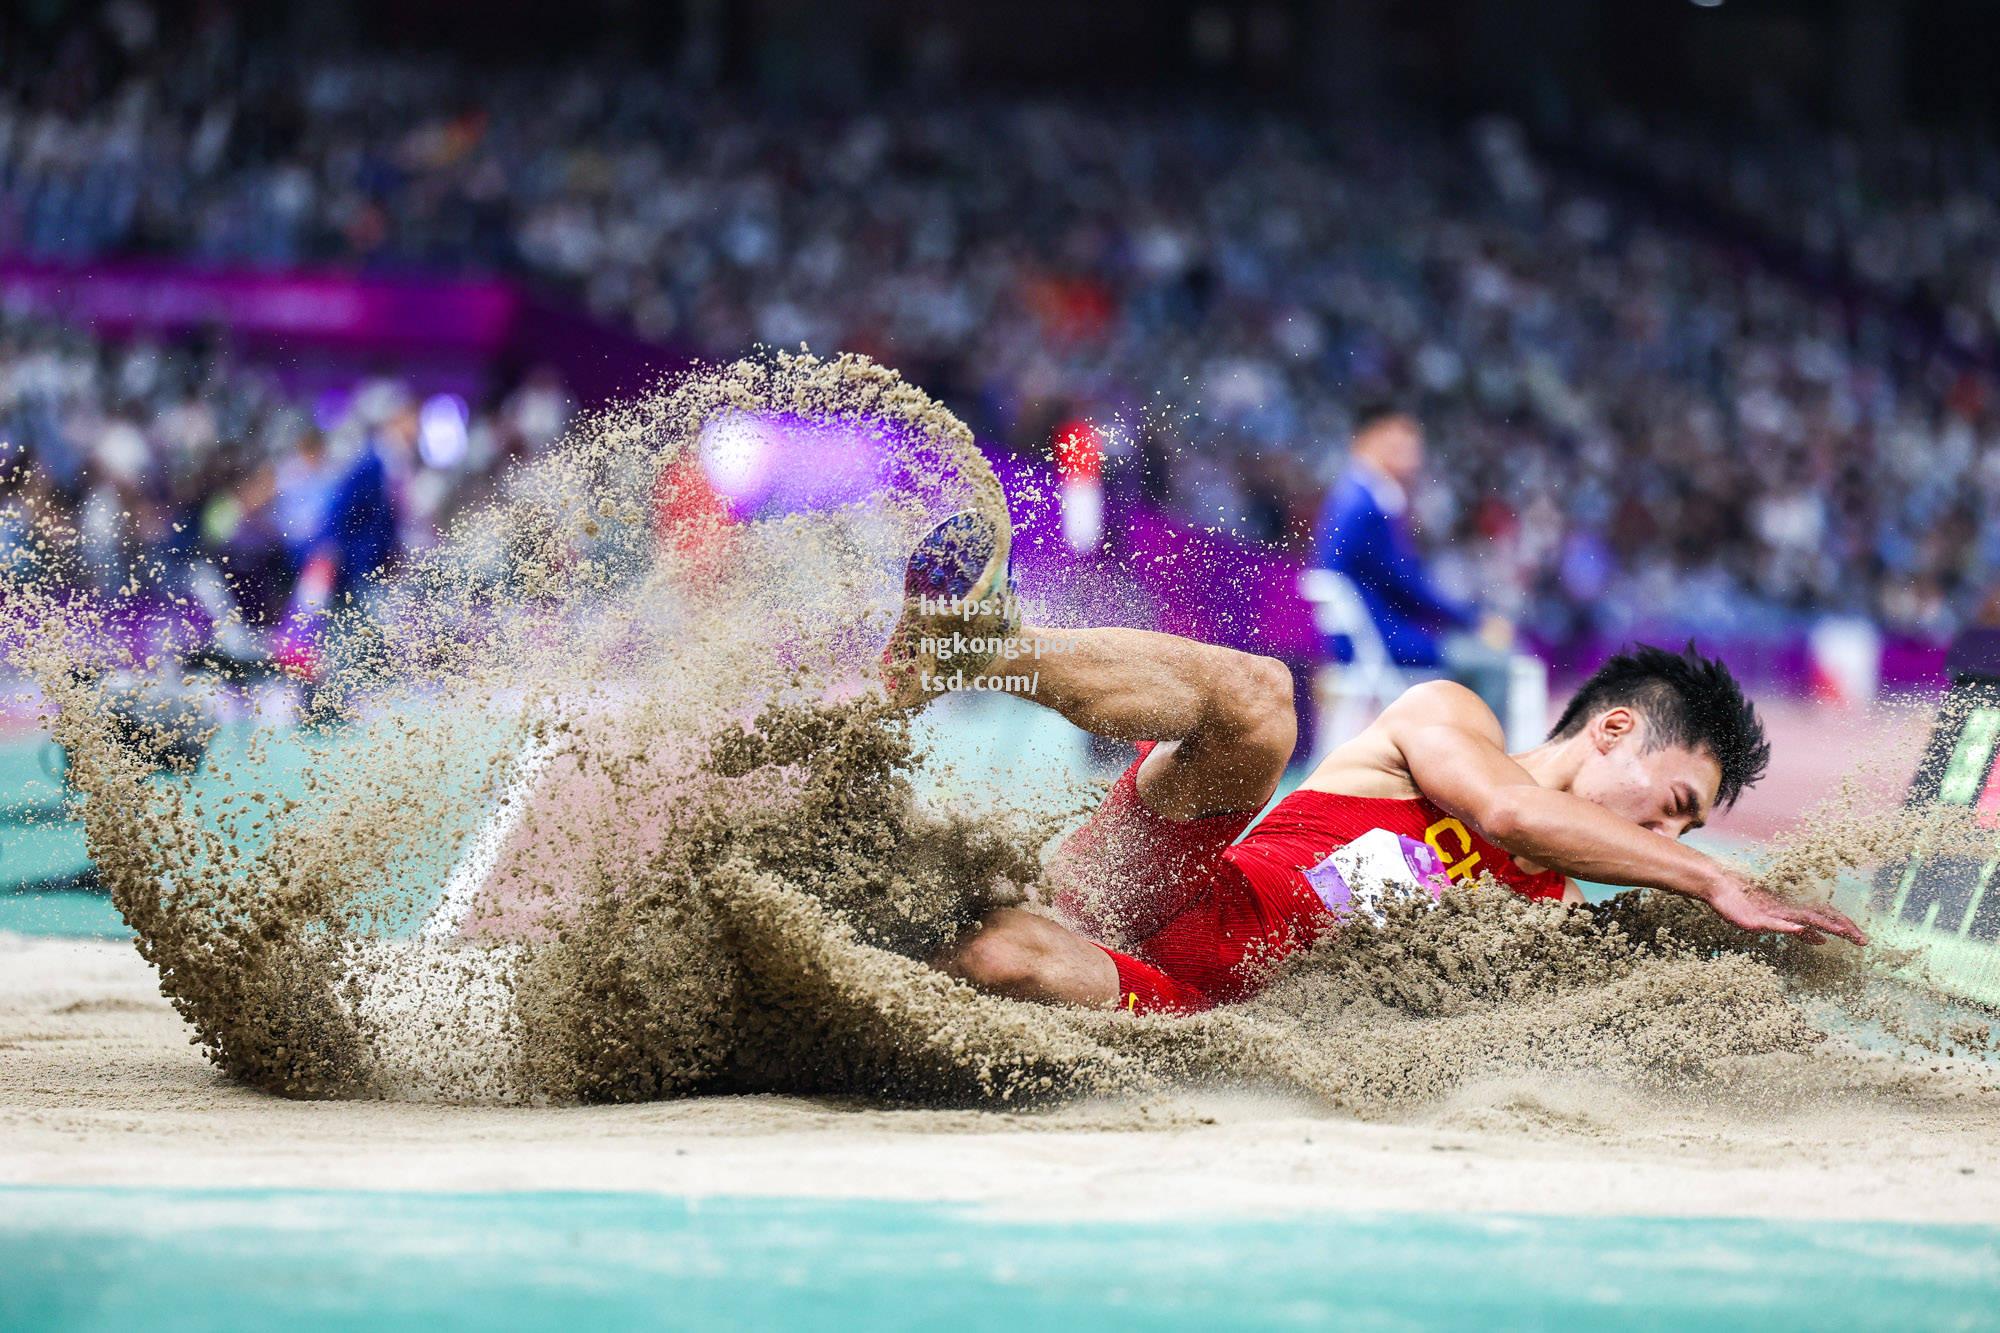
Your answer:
<point x="1457" y="864"/>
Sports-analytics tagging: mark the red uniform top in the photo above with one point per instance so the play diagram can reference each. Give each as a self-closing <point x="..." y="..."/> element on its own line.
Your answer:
<point x="1306" y="826"/>
<point x="1191" y="916"/>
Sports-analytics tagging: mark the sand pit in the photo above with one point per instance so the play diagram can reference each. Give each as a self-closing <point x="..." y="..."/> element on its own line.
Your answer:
<point x="99" y="1086"/>
<point x="694" y="964"/>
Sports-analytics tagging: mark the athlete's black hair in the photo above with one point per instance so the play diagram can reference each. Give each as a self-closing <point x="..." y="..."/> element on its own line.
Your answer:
<point x="1377" y="408"/>
<point x="1687" y="700"/>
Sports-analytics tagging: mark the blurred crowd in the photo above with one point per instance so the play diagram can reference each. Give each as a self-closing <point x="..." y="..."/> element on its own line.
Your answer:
<point x="213" y="485"/>
<point x="1914" y="215"/>
<point x="1629" y="424"/>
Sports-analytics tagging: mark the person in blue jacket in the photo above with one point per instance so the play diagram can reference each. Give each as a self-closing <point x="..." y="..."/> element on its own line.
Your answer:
<point x="1364" y="532"/>
<point x="362" y="528"/>
<point x="357" y="532"/>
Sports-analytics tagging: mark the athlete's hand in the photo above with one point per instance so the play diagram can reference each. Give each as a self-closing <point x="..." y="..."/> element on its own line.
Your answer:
<point x="1742" y="903"/>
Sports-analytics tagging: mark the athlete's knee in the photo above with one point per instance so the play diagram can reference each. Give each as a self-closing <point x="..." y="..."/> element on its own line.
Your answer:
<point x="1256" y="711"/>
<point x="1011" y="952"/>
<point x="997" y="958"/>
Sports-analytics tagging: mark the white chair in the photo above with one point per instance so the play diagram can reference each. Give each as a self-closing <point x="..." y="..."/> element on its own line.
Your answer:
<point x="1349" y="694"/>
<point x="1527" y="715"/>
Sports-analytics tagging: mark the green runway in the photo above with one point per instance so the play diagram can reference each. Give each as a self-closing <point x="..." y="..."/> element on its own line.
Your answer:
<point x="149" y="1259"/>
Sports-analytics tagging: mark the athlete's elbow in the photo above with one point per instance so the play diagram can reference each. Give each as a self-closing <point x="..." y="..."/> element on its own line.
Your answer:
<point x="1505" y="818"/>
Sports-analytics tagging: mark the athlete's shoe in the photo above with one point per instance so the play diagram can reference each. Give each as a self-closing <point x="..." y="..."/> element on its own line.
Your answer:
<point x="958" y="605"/>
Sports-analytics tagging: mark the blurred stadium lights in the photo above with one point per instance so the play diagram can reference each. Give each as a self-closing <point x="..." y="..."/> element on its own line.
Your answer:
<point x="1079" y="447"/>
<point x="441" y="431"/>
<point x="735" y="455"/>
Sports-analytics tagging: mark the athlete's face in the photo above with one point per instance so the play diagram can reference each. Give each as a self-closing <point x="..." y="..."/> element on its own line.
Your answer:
<point x="1669" y="790"/>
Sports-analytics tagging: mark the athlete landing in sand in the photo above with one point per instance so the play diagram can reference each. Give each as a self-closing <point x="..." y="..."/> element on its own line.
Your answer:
<point x="1169" y="911"/>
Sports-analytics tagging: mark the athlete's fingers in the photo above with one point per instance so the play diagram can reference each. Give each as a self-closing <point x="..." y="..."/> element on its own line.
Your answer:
<point x="1827" y="917"/>
<point x="1835" y="922"/>
<point x="1847" y="930"/>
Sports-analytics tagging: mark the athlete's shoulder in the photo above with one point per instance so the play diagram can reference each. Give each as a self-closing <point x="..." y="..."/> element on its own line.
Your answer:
<point x="1444" y="703"/>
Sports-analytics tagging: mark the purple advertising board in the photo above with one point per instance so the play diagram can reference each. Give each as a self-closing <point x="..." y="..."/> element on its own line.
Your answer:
<point x="346" y="321"/>
<point x="328" y="308"/>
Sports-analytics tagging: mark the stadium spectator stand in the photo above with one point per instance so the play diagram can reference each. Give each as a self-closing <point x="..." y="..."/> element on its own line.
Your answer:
<point x="1636" y="430"/>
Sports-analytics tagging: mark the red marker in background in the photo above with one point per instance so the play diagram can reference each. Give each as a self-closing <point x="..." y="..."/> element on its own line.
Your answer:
<point x="691" y="517"/>
<point x="296" y="644"/>
<point x="1079" y="450"/>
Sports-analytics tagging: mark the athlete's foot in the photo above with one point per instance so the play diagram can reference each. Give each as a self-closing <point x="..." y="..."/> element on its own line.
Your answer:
<point x="958" y="605"/>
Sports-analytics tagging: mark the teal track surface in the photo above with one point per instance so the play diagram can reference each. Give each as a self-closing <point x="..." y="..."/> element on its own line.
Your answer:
<point x="87" y="916"/>
<point x="151" y="1259"/>
<point x="42" y="847"/>
<point x="38" y="839"/>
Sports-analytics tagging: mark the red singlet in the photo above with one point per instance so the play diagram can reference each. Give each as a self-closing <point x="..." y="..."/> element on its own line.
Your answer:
<point x="1191" y="917"/>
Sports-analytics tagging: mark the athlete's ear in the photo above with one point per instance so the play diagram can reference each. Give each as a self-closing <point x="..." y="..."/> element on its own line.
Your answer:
<point x="1613" y="726"/>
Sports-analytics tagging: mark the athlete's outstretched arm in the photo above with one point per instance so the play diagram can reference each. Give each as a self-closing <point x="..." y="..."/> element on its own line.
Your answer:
<point x="1455" y="754"/>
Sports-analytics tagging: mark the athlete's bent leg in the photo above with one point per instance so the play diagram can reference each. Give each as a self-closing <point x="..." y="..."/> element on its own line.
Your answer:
<point x="1029" y="957"/>
<point x="1226" y="727"/>
<point x="1225" y="718"/>
<point x="1221" y="721"/>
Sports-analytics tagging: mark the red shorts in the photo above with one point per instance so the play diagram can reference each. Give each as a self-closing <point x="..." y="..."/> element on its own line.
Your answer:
<point x="1190" y="917"/>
